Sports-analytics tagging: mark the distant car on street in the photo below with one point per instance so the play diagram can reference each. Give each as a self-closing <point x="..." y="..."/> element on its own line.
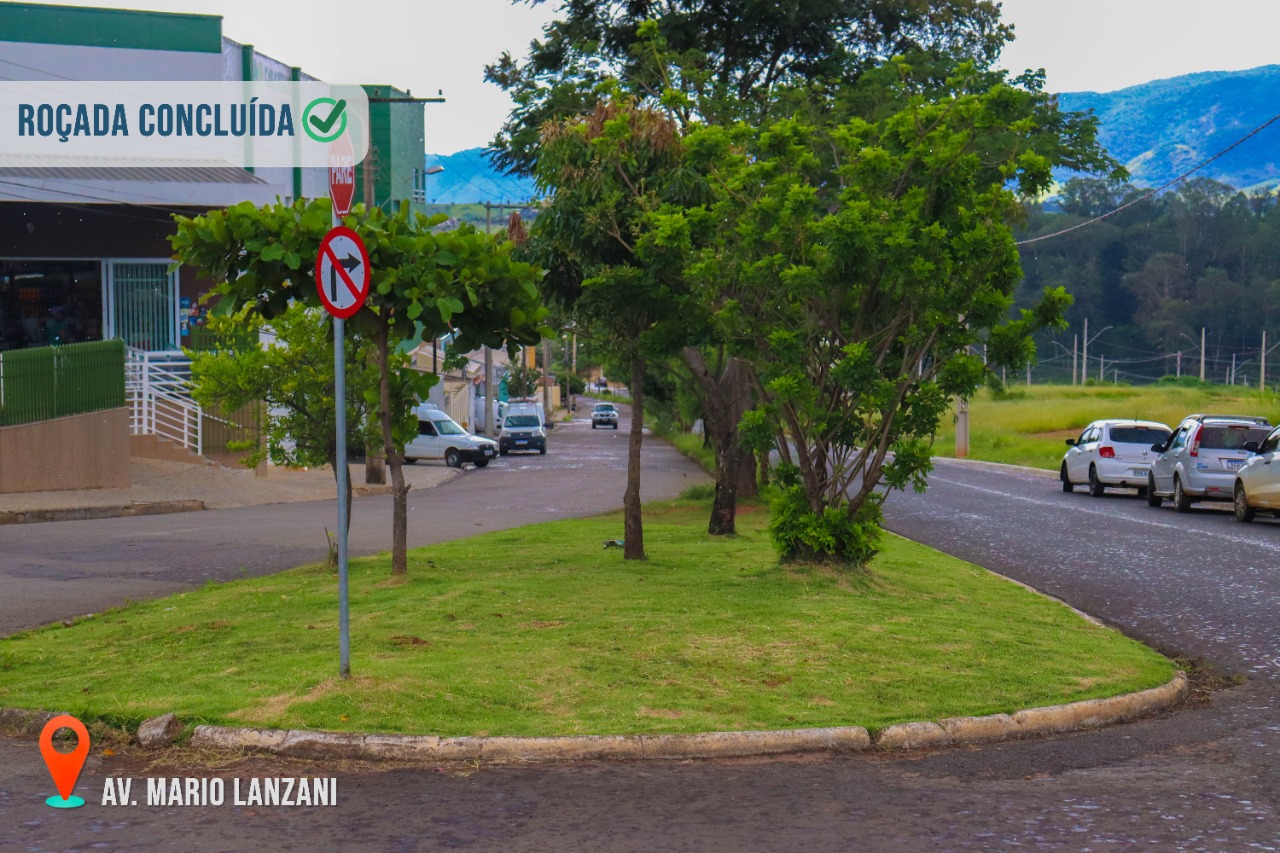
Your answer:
<point x="604" y="415"/>
<point x="440" y="437"/>
<point x="1111" y="453"/>
<point x="1258" y="481"/>
<point x="1200" y="460"/>
<point x="522" y="431"/>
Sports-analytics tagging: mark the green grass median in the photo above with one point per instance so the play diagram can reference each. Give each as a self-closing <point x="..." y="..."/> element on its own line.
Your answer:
<point x="1029" y="425"/>
<point x="539" y="631"/>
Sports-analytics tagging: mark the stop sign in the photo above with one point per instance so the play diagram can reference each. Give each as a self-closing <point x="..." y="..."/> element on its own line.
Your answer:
<point x="342" y="175"/>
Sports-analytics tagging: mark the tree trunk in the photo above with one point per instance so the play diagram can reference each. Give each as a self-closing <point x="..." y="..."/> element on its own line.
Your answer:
<point x="747" y="485"/>
<point x="399" y="492"/>
<point x="375" y="466"/>
<point x="724" y="507"/>
<point x="337" y="472"/>
<point x="633" y="530"/>
<point x="724" y="398"/>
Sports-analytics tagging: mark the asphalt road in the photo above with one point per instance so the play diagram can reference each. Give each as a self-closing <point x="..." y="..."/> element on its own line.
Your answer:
<point x="1203" y="778"/>
<point x="51" y="571"/>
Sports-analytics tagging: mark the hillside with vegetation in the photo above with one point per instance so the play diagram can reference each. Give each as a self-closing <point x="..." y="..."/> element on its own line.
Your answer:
<point x="1160" y="129"/>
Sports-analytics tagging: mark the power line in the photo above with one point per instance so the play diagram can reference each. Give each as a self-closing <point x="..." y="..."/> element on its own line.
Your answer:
<point x="1164" y="186"/>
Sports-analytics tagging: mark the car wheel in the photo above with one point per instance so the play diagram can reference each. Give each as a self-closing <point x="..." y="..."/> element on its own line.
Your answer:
<point x="593" y="426"/>
<point x="502" y="452"/>
<point x="1095" y="485"/>
<point x="409" y="460"/>
<point x="452" y="458"/>
<point x="615" y="426"/>
<point x="480" y="463"/>
<point x="1067" y="485"/>
<point x="1153" y="499"/>
<point x="542" y="451"/>
<point x="1244" y="512"/>
<point x="1181" y="502"/>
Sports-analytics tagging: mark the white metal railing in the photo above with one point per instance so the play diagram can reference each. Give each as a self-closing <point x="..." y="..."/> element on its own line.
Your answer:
<point x="158" y="390"/>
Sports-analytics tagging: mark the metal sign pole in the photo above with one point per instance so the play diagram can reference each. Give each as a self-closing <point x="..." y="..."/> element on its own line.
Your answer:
<point x="343" y="472"/>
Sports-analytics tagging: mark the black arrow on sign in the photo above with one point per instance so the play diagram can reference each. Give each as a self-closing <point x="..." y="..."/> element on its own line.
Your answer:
<point x="349" y="263"/>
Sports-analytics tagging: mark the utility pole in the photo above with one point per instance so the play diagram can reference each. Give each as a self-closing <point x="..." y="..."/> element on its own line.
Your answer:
<point x="546" y="375"/>
<point x="1179" y="364"/>
<point x="1262" y="370"/>
<point x="1084" y="361"/>
<point x="1102" y="368"/>
<point x="487" y="409"/>
<point x="375" y="463"/>
<point x="962" y="429"/>
<point x="573" y="397"/>
<point x="1202" y="328"/>
<point x="1233" y="368"/>
<point x="1075" y="349"/>
<point x="490" y="393"/>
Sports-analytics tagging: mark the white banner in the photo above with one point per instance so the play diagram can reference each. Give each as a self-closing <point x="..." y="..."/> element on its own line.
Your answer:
<point x="164" y="123"/>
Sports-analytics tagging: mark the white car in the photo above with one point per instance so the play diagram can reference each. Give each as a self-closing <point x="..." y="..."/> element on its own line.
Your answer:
<point x="1258" y="480"/>
<point x="1112" y="453"/>
<point x="440" y="437"/>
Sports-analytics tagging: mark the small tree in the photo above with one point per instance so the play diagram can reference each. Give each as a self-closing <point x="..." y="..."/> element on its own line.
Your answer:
<point x="293" y="377"/>
<point x="424" y="284"/>
<point x="609" y="171"/>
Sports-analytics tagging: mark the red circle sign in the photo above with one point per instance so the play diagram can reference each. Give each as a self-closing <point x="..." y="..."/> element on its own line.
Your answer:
<point x="342" y="272"/>
<point x="342" y="175"/>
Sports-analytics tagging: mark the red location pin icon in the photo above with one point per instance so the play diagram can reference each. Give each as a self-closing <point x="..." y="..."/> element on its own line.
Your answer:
<point x="64" y="767"/>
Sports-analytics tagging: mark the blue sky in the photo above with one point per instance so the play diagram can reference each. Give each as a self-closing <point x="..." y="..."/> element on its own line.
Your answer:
<point x="430" y="45"/>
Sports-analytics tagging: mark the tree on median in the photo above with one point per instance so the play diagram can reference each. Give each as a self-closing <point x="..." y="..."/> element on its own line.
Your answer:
<point x="855" y="264"/>
<point x="425" y="283"/>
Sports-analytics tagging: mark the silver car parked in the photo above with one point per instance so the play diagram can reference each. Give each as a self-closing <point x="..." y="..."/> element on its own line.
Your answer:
<point x="1200" y="460"/>
<point x="1258" y="482"/>
<point x="1111" y="453"/>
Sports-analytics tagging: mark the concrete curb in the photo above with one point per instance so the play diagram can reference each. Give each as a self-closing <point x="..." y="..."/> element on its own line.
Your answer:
<point x="34" y="516"/>
<point x="955" y="731"/>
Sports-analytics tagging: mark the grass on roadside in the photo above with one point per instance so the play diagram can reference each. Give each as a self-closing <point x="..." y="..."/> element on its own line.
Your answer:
<point x="695" y="448"/>
<point x="1029" y="425"/>
<point x="540" y="631"/>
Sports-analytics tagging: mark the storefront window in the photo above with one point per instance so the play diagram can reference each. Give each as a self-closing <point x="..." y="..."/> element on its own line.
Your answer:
<point x="49" y="302"/>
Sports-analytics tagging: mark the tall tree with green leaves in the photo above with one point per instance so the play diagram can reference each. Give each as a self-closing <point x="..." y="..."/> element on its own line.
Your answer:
<point x="730" y="56"/>
<point x="705" y="62"/>
<point x="425" y="283"/>
<point x="856" y="264"/>
<point x="611" y="170"/>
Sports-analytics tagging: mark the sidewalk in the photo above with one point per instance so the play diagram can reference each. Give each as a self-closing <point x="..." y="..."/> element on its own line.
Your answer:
<point x="160" y="486"/>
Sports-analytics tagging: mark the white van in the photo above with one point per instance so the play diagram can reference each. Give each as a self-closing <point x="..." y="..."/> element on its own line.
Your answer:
<point x="527" y="406"/>
<point x="439" y="437"/>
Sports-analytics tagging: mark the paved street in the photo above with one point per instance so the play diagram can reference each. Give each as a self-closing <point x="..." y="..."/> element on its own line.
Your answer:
<point x="55" y="570"/>
<point x="1203" y="778"/>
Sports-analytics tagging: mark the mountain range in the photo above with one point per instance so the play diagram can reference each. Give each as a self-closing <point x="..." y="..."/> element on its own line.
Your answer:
<point x="1158" y="130"/>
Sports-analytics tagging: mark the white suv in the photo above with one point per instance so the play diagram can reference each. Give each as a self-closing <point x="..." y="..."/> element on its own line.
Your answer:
<point x="1112" y="453"/>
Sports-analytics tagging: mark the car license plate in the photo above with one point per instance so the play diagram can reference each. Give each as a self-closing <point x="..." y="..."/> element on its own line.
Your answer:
<point x="521" y="441"/>
<point x="1138" y="472"/>
<point x="1234" y="464"/>
<point x="488" y="451"/>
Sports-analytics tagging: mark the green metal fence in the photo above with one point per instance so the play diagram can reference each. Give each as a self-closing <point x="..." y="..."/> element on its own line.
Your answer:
<point x="52" y="382"/>
<point x="203" y="339"/>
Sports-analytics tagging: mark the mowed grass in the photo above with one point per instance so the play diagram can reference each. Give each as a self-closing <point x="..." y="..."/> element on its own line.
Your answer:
<point x="1028" y="426"/>
<point x="538" y="631"/>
